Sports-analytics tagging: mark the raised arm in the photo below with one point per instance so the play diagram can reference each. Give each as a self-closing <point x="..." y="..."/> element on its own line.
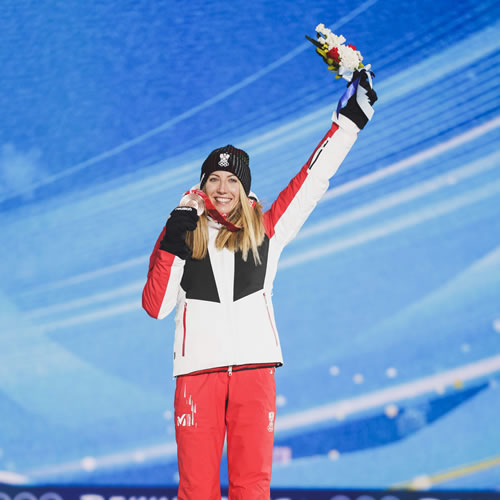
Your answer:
<point x="294" y="204"/>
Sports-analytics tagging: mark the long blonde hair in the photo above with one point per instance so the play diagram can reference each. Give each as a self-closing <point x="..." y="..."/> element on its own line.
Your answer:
<point x="248" y="238"/>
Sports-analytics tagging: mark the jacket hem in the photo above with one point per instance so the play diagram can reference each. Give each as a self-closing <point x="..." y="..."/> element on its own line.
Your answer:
<point x="235" y="368"/>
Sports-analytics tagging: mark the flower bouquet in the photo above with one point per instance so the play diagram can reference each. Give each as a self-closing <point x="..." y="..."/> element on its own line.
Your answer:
<point x="341" y="59"/>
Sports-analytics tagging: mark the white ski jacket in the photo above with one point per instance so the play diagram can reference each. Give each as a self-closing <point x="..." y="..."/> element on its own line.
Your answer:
<point x="224" y="311"/>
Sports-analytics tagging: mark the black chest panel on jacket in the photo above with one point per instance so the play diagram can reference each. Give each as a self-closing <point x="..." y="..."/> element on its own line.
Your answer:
<point x="248" y="277"/>
<point x="198" y="280"/>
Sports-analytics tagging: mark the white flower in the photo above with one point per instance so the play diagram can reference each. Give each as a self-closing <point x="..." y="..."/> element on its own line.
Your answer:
<point x="349" y="58"/>
<point x="334" y="40"/>
<point x="328" y="37"/>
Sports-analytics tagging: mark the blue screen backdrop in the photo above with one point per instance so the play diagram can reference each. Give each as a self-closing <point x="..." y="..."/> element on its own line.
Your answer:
<point x="387" y="302"/>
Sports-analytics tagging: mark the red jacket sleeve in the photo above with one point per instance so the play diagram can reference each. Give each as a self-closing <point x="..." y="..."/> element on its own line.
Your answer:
<point x="160" y="293"/>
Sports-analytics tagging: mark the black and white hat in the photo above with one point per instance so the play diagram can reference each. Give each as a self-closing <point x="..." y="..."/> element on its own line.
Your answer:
<point x="230" y="159"/>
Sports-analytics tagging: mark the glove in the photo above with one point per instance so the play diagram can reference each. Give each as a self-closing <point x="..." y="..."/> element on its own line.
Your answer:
<point x="359" y="105"/>
<point x="181" y="219"/>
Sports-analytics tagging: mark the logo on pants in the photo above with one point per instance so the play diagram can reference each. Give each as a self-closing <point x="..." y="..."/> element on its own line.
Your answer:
<point x="187" y="419"/>
<point x="184" y="420"/>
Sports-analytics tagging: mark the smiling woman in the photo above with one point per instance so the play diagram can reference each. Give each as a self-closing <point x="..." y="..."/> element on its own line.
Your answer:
<point x="223" y="188"/>
<point x="242" y="228"/>
<point x="226" y="345"/>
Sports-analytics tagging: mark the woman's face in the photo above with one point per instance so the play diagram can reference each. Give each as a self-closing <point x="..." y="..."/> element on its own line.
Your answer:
<point x="223" y="189"/>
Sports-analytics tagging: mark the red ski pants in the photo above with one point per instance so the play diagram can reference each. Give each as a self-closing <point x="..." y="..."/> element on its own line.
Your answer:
<point x="241" y="401"/>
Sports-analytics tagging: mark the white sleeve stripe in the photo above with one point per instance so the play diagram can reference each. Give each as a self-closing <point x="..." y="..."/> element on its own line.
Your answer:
<point x="364" y="103"/>
<point x="170" y="298"/>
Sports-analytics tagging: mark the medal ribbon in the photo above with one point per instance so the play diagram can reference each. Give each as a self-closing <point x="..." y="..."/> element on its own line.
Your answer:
<point x="213" y="212"/>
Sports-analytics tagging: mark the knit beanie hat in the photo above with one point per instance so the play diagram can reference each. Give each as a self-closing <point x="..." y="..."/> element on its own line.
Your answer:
<point x="230" y="159"/>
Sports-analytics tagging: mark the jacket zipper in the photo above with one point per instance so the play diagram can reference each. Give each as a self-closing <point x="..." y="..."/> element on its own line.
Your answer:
<point x="230" y="370"/>
<point x="184" y="325"/>
<point x="270" y="319"/>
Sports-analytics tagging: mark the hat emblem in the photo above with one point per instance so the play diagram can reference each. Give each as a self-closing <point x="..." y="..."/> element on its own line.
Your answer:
<point x="223" y="162"/>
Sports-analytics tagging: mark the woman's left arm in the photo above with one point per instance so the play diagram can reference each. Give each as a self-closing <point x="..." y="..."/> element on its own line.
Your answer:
<point x="294" y="204"/>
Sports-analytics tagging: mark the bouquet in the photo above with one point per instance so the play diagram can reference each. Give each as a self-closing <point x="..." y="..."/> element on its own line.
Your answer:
<point x="341" y="59"/>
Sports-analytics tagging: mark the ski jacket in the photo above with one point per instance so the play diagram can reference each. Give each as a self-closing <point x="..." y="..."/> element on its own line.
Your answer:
<point x="224" y="313"/>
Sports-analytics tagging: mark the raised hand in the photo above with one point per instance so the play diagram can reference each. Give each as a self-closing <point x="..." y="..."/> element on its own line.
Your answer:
<point x="181" y="219"/>
<point x="356" y="104"/>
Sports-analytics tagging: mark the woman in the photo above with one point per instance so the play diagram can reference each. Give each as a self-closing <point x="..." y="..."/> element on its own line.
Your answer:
<point x="219" y="272"/>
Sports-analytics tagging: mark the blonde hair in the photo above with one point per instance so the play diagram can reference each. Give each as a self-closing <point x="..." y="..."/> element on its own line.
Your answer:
<point x="248" y="238"/>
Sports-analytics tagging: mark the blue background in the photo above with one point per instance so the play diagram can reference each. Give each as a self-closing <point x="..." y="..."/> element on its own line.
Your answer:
<point x="388" y="301"/>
